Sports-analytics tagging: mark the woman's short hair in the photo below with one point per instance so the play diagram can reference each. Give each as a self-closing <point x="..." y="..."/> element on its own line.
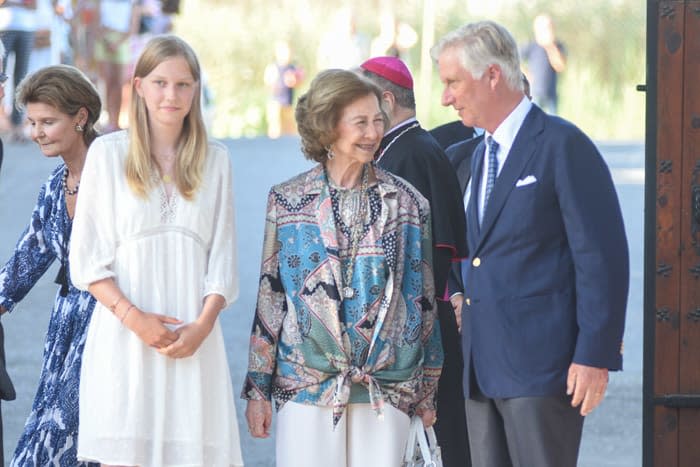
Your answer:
<point x="65" y="88"/>
<point x="482" y="44"/>
<point x="319" y="110"/>
<point x="193" y="144"/>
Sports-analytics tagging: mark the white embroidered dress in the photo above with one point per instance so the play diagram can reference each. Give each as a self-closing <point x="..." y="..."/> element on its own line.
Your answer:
<point x="138" y="407"/>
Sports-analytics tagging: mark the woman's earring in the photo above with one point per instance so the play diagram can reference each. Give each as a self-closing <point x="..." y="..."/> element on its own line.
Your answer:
<point x="329" y="153"/>
<point x="79" y="128"/>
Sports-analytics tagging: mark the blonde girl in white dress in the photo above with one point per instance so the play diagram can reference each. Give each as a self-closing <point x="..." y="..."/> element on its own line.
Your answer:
<point x="154" y="242"/>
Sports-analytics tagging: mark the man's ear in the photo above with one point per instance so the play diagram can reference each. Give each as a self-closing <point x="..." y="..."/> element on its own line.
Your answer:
<point x="495" y="75"/>
<point x="388" y="102"/>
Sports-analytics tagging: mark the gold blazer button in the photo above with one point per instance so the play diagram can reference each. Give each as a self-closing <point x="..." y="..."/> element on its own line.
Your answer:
<point x="476" y="262"/>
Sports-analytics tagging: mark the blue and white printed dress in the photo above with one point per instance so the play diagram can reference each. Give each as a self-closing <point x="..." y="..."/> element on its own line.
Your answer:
<point x="51" y="432"/>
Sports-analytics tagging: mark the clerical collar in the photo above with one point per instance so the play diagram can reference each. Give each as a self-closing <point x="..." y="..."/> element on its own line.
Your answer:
<point x="404" y="123"/>
<point x="405" y="126"/>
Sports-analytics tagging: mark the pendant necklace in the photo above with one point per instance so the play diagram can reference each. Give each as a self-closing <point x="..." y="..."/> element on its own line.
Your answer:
<point x="166" y="177"/>
<point x="381" y="154"/>
<point x="356" y="234"/>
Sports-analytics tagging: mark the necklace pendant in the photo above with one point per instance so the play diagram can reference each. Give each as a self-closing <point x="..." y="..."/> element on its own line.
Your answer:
<point x="348" y="292"/>
<point x="167" y="178"/>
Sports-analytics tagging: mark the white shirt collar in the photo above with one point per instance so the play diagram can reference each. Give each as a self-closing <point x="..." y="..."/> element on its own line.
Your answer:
<point x="508" y="129"/>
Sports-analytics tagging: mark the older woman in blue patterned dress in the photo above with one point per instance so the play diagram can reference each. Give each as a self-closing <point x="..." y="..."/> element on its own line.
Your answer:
<point x="62" y="107"/>
<point x="344" y="337"/>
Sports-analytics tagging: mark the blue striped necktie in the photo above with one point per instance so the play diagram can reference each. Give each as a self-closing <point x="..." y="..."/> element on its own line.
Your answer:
<point x="491" y="175"/>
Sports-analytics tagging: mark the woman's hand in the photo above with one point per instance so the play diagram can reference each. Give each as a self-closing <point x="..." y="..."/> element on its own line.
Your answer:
<point x="428" y="416"/>
<point x="258" y="413"/>
<point x="190" y="337"/>
<point x="150" y="327"/>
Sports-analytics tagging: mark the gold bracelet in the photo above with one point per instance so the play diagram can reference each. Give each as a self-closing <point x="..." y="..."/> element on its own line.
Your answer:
<point x="113" y="306"/>
<point x="127" y="312"/>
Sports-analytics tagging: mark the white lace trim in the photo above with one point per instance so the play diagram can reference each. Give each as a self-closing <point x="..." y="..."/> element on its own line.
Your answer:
<point x="168" y="206"/>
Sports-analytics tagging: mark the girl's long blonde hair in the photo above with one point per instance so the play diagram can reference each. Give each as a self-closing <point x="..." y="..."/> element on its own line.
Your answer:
<point x="193" y="142"/>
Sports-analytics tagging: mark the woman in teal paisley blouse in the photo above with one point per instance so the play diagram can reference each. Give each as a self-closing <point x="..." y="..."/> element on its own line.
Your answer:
<point x="344" y="337"/>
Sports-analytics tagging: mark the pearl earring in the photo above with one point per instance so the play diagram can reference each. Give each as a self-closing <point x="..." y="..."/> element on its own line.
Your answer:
<point x="79" y="128"/>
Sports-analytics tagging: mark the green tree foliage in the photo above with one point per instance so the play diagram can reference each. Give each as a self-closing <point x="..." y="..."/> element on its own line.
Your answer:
<point x="605" y="40"/>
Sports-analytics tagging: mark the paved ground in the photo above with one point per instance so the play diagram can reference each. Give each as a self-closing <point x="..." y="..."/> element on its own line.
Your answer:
<point x="612" y="434"/>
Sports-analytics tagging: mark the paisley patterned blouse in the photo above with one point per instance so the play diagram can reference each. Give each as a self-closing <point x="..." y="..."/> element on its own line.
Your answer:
<point x="310" y="346"/>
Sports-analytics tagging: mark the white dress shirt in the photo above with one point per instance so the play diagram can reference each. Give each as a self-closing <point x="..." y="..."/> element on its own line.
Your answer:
<point x="504" y="135"/>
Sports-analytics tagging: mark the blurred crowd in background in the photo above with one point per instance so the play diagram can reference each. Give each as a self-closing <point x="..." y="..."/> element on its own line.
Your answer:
<point x="258" y="55"/>
<point x="102" y="38"/>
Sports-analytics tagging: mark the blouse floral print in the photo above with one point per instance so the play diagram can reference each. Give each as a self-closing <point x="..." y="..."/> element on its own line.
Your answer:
<point x="309" y="345"/>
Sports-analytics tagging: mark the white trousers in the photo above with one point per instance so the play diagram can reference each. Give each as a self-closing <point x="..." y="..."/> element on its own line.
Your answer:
<point x="305" y="437"/>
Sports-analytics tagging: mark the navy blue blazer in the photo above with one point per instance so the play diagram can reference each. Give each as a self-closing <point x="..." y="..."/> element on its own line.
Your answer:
<point x="547" y="276"/>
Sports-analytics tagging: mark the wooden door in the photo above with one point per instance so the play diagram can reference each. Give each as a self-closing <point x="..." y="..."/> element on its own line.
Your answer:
<point x="672" y="236"/>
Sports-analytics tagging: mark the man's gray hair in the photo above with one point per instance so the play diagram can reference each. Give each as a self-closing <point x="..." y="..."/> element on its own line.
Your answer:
<point x="404" y="96"/>
<point x="483" y="44"/>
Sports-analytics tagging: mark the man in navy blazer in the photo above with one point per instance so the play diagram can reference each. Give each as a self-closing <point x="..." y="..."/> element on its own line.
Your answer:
<point x="547" y="275"/>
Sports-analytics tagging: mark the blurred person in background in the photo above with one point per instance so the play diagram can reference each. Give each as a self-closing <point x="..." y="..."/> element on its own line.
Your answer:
<point x="395" y="37"/>
<point x="18" y="23"/>
<point x="282" y="77"/>
<point x="42" y="51"/>
<point x="343" y="337"/>
<point x="118" y="21"/>
<point x="62" y="107"/>
<point x="154" y="242"/>
<point x="545" y="58"/>
<point x="153" y="20"/>
<point x="342" y="45"/>
<point x="61" y="48"/>
<point x="410" y="152"/>
<point x="83" y="32"/>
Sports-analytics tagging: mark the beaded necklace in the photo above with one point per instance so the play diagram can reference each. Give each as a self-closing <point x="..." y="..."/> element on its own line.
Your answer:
<point x="67" y="190"/>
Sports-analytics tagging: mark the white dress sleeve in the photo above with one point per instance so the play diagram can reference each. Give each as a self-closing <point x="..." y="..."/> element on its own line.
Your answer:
<point x="222" y="266"/>
<point x="93" y="237"/>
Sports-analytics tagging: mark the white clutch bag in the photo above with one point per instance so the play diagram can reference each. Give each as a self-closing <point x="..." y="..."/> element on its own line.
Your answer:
<point x="422" y="449"/>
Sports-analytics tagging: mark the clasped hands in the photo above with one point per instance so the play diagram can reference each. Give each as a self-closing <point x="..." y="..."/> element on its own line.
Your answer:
<point x="179" y="343"/>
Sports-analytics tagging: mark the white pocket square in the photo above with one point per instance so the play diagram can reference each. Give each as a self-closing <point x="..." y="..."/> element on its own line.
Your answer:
<point x="530" y="179"/>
